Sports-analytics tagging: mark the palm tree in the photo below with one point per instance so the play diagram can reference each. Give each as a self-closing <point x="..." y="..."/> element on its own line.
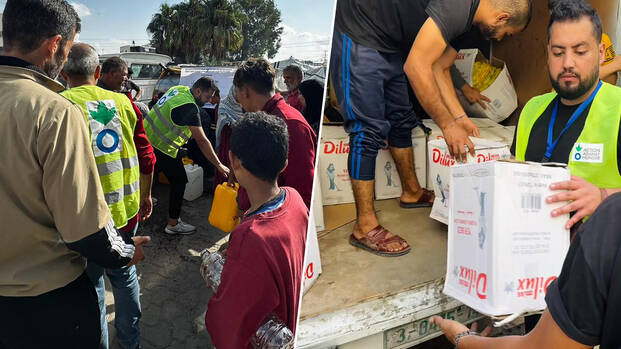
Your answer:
<point x="189" y="30"/>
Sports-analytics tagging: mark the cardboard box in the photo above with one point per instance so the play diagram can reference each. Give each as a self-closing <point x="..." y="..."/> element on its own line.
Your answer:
<point x="501" y="91"/>
<point x="484" y="123"/>
<point x="318" y="205"/>
<point x="387" y="181"/>
<point x="332" y="169"/>
<point x="440" y="161"/>
<point x="312" y="260"/>
<point x="504" y="247"/>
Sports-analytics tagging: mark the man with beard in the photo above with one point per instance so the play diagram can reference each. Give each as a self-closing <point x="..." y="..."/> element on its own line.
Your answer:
<point x="376" y="45"/>
<point x="53" y="211"/>
<point x="169" y="125"/>
<point x="578" y="124"/>
<point x="292" y="74"/>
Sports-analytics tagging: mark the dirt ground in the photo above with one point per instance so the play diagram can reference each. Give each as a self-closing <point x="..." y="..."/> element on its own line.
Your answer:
<point x="173" y="295"/>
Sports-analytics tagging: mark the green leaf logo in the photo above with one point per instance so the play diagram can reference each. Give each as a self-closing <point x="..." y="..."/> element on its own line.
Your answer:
<point x="579" y="148"/>
<point x="103" y="114"/>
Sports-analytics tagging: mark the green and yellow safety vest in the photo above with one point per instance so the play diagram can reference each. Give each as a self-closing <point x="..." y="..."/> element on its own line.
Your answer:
<point x="594" y="156"/>
<point x="163" y="133"/>
<point x="112" y="121"/>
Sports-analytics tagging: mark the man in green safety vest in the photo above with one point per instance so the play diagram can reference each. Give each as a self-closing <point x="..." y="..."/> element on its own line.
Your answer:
<point x="578" y="124"/>
<point x="125" y="165"/>
<point x="169" y="125"/>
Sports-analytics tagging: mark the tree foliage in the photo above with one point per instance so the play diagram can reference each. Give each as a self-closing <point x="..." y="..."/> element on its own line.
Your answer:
<point x="197" y="30"/>
<point x="261" y="29"/>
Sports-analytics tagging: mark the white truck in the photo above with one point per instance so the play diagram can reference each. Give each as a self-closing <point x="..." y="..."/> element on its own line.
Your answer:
<point x="147" y="68"/>
<point x="365" y="301"/>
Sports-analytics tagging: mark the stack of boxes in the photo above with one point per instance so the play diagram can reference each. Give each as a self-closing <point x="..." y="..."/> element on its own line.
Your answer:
<point x="334" y="177"/>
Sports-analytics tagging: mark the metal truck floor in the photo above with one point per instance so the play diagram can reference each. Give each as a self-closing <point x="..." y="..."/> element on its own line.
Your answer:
<point x="352" y="276"/>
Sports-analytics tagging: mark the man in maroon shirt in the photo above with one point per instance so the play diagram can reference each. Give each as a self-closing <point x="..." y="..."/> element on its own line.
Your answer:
<point x="262" y="274"/>
<point x="292" y="74"/>
<point x="254" y="84"/>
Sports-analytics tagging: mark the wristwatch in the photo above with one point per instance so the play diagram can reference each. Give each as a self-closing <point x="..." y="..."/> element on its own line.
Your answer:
<point x="462" y="335"/>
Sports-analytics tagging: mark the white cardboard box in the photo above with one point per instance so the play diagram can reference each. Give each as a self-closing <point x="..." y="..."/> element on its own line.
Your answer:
<point x="440" y="161"/>
<point x="318" y="206"/>
<point x="312" y="260"/>
<point x="194" y="187"/>
<point x="387" y="181"/>
<point x="501" y="91"/>
<point x="504" y="247"/>
<point x="332" y="169"/>
<point x="484" y="123"/>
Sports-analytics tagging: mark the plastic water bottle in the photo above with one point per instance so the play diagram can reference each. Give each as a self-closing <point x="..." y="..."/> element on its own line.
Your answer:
<point x="211" y="268"/>
<point x="272" y="334"/>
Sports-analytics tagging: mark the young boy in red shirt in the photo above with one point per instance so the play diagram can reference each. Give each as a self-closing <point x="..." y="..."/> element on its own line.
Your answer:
<point x="262" y="274"/>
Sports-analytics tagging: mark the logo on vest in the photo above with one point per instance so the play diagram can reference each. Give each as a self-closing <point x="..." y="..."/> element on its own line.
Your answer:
<point x="588" y="152"/>
<point x="105" y="127"/>
<point x="165" y="98"/>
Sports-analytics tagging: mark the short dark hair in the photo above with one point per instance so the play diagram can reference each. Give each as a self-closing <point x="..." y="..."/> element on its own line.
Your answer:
<point x="261" y="142"/>
<point x="27" y="23"/>
<point x="204" y="83"/>
<point x="573" y="10"/>
<point x="112" y="65"/>
<point x="257" y="73"/>
<point x="520" y="11"/>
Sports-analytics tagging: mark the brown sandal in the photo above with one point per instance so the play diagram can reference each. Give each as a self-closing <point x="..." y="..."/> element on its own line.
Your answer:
<point x="425" y="200"/>
<point x="376" y="242"/>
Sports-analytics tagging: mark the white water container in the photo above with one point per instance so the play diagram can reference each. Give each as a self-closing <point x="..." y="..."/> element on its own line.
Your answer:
<point x="194" y="187"/>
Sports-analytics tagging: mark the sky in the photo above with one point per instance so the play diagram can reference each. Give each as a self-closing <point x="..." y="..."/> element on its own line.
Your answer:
<point x="107" y="25"/>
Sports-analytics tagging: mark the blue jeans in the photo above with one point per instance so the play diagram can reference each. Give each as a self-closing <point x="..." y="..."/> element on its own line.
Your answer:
<point x="126" y="291"/>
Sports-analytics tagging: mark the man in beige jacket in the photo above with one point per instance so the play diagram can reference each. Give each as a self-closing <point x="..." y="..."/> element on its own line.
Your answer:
<point x="53" y="211"/>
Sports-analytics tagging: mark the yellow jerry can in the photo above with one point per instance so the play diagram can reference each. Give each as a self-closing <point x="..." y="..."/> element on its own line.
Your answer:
<point x="224" y="209"/>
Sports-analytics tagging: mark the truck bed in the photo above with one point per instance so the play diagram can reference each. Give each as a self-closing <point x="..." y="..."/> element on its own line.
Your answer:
<point x="361" y="294"/>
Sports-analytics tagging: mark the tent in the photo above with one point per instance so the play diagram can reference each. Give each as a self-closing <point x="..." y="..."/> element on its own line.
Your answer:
<point x="310" y="69"/>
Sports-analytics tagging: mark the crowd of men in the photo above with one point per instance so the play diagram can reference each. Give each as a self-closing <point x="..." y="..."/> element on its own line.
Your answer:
<point x="83" y="158"/>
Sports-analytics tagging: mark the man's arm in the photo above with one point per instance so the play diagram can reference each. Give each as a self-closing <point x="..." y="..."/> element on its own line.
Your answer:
<point x="136" y="88"/>
<point x="73" y="192"/>
<point x="426" y="50"/>
<point x="610" y="68"/>
<point x="107" y="248"/>
<point x="146" y="160"/>
<point x="547" y="334"/>
<point x="442" y="73"/>
<point x="300" y="169"/>
<point x="207" y="149"/>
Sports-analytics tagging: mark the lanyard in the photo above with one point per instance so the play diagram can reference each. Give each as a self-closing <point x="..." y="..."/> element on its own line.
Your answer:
<point x="551" y="142"/>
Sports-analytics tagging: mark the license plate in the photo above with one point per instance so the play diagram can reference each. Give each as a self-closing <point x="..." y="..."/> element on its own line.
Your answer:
<point x="414" y="331"/>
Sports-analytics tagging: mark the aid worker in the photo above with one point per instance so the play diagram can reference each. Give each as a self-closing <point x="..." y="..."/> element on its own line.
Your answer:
<point x="578" y="124"/>
<point x="169" y="125"/>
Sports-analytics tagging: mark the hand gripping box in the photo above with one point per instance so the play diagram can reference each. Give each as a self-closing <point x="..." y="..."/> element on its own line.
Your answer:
<point x="440" y="161"/>
<point x="387" y="181"/>
<point x="332" y="168"/>
<point x="501" y="91"/>
<point x="504" y="247"/>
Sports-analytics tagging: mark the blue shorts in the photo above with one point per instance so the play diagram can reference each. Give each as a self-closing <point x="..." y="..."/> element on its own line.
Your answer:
<point x="372" y="91"/>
